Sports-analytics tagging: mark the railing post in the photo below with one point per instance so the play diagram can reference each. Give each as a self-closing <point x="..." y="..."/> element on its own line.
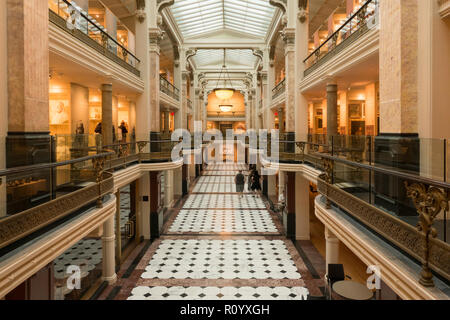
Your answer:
<point x="99" y="164"/>
<point x="328" y="166"/>
<point x="429" y="202"/>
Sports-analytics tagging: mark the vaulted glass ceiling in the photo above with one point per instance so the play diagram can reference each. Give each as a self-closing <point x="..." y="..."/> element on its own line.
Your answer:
<point x="235" y="58"/>
<point x="197" y="17"/>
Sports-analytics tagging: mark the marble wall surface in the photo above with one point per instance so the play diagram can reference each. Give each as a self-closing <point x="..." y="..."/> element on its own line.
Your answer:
<point x="398" y="66"/>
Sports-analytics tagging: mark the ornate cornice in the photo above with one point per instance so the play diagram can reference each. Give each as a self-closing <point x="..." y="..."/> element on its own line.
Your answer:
<point x="162" y="4"/>
<point x="280" y="4"/>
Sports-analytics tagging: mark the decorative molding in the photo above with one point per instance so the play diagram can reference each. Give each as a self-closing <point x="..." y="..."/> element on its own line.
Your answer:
<point x="396" y="273"/>
<point x="22" y="224"/>
<point x="280" y="4"/>
<point x="162" y="4"/>
<point x="19" y="267"/>
<point x="398" y="232"/>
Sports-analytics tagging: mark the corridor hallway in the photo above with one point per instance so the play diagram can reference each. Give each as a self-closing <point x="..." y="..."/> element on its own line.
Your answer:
<point x="218" y="246"/>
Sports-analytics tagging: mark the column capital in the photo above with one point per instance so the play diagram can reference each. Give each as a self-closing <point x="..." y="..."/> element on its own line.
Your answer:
<point x="155" y="35"/>
<point x="288" y="35"/>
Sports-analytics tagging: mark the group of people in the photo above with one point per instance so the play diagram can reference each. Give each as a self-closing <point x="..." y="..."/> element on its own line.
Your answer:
<point x="253" y="181"/>
<point x="123" y="128"/>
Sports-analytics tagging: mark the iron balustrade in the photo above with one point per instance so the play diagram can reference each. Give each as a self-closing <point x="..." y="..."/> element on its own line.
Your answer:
<point x="166" y="87"/>
<point x="75" y="19"/>
<point x="279" y="89"/>
<point x="357" y="22"/>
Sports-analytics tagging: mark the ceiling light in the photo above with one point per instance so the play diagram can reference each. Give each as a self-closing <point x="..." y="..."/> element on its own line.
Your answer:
<point x="225" y="92"/>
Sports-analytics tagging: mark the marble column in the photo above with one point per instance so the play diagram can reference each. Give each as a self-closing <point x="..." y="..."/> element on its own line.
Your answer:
<point x="290" y="80"/>
<point x="107" y="114"/>
<point x="398" y="75"/>
<point x="155" y="36"/>
<point x="185" y="178"/>
<point x="28" y="140"/>
<point x="143" y="116"/>
<point x="331" y="248"/>
<point x="399" y="67"/>
<point x="118" y="231"/>
<point x="281" y="120"/>
<point x="332" y="129"/>
<point x="115" y="118"/>
<point x="143" y="213"/>
<point x="79" y="107"/>
<point x="108" y="251"/>
<point x="168" y="189"/>
<point x="3" y="103"/>
<point x="301" y="207"/>
<point x="166" y="123"/>
<point x="289" y="218"/>
<point x="301" y="51"/>
<point x="281" y="185"/>
<point x="156" y="215"/>
<point x="183" y="98"/>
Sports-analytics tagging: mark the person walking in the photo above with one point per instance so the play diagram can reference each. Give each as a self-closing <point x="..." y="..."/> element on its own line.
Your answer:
<point x="256" y="183"/>
<point x="239" y="179"/>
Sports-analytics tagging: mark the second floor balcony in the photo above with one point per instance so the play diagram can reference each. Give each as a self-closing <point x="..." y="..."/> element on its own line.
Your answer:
<point x="279" y="89"/>
<point x="363" y="20"/>
<point x="168" y="88"/>
<point x="82" y="26"/>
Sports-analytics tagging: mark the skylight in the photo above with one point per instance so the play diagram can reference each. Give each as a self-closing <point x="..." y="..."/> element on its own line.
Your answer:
<point x="235" y="58"/>
<point x="197" y="17"/>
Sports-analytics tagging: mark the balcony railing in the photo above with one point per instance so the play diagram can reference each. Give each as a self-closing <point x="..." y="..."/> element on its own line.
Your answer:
<point x="359" y="23"/>
<point x="82" y="26"/>
<point x="166" y="87"/>
<point x="279" y="89"/>
<point x="405" y="202"/>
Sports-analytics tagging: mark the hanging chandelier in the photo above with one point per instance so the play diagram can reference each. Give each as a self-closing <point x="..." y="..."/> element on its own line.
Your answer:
<point x="225" y="92"/>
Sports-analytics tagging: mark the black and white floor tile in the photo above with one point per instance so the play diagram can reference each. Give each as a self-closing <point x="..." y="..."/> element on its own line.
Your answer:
<point x="223" y="201"/>
<point x="220" y="173"/>
<point x="86" y="254"/>
<point x="219" y="293"/>
<point x="227" y="166"/>
<point x="236" y="220"/>
<point x="216" y="187"/>
<point x="221" y="259"/>
<point x="216" y="179"/>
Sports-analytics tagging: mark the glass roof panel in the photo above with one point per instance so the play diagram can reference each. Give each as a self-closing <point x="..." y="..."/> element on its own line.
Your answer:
<point x="243" y="58"/>
<point x="195" y="17"/>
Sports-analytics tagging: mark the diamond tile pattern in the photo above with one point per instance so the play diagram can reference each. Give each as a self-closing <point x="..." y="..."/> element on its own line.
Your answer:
<point x="86" y="253"/>
<point x="223" y="221"/>
<point x="221" y="259"/>
<point x="223" y="201"/>
<point x="216" y="293"/>
<point x="215" y="187"/>
<point x="227" y="167"/>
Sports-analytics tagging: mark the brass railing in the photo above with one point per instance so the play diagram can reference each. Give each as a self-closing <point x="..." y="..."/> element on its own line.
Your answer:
<point x="355" y="24"/>
<point x="82" y="26"/>
<point x="42" y="194"/>
<point x="279" y="89"/>
<point x="166" y="87"/>
<point x="348" y="184"/>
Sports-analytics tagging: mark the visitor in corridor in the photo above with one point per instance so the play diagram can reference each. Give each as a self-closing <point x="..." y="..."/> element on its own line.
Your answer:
<point x="123" y="128"/>
<point x="240" y="182"/>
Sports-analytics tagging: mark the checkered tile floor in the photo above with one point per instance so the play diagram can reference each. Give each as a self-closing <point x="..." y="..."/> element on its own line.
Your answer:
<point x="221" y="259"/>
<point x="216" y="293"/>
<point x="220" y="173"/>
<point x="234" y="263"/>
<point x="223" y="201"/>
<point x="223" y="221"/>
<point x="86" y="254"/>
<point x="221" y="180"/>
<point x="215" y="187"/>
<point x="226" y="167"/>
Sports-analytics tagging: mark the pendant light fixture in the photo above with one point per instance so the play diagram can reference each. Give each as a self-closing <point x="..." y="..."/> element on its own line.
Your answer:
<point x="225" y="92"/>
